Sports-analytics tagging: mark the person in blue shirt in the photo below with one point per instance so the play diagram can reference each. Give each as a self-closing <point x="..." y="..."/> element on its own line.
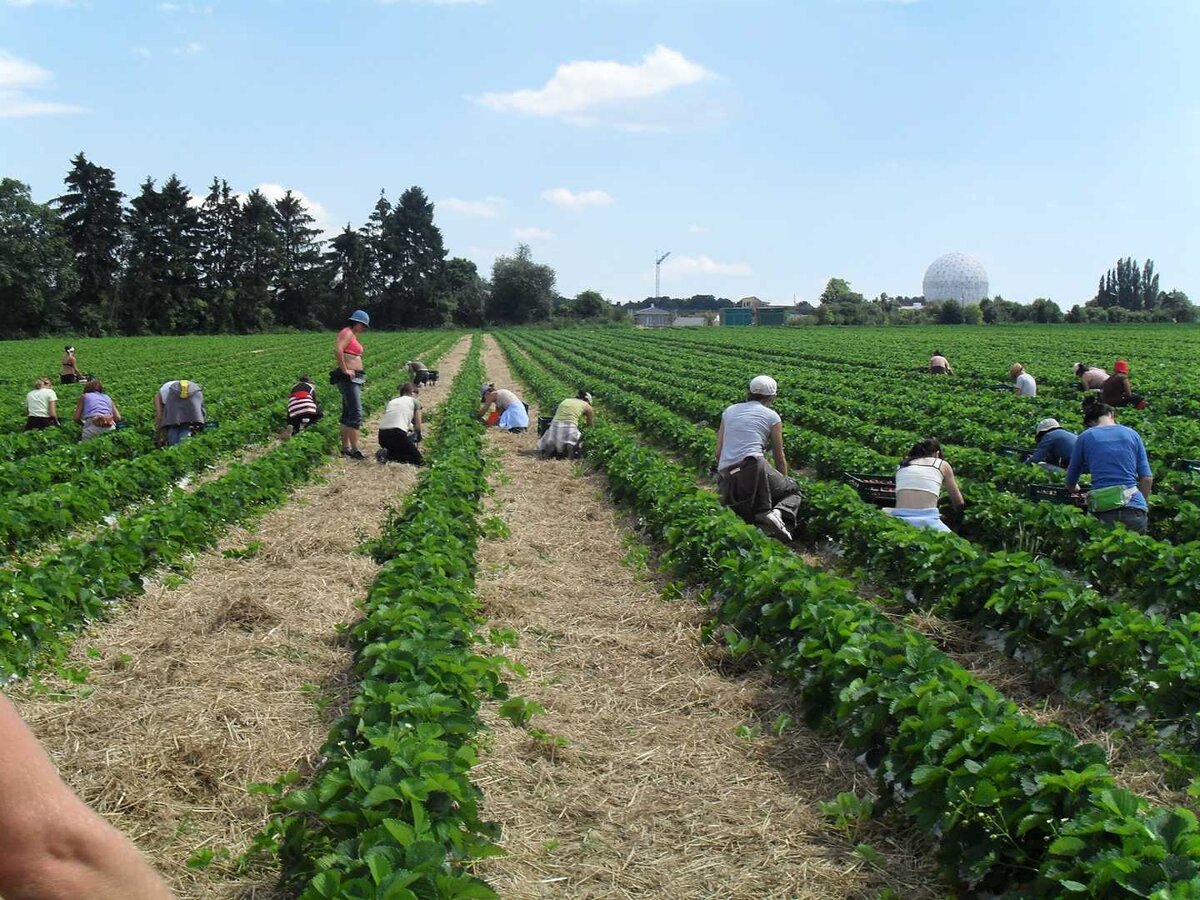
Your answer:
<point x="1054" y="446"/>
<point x="1114" y="455"/>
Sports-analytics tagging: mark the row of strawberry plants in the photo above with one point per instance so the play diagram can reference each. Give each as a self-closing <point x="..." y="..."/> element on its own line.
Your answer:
<point x="1115" y="560"/>
<point x="1140" y="661"/>
<point x="40" y="601"/>
<point x="392" y="812"/>
<point x="1017" y="808"/>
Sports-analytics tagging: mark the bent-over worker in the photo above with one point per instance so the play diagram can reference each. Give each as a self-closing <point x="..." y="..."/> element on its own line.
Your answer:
<point x="1116" y="390"/>
<point x="1116" y="458"/>
<point x="1024" y="385"/>
<point x="400" y="428"/>
<point x="302" y="407"/>
<point x="96" y="411"/>
<point x="939" y="365"/>
<point x="1091" y="378"/>
<point x="563" y="437"/>
<point x="1054" y="446"/>
<point x="178" y="411"/>
<point x="919" y="481"/>
<point x="41" y="406"/>
<point x="514" y="415"/>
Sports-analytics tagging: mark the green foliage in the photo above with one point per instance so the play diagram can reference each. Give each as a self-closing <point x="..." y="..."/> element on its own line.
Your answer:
<point x="522" y="290"/>
<point x="37" y="271"/>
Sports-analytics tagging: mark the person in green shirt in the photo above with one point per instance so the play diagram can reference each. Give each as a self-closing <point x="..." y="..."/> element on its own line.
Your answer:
<point x="563" y="437"/>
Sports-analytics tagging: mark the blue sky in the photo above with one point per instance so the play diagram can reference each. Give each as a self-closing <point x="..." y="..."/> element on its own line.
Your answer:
<point x="767" y="145"/>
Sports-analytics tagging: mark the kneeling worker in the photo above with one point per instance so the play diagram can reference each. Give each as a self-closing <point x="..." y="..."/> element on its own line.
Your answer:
<point x="512" y="412"/>
<point x="746" y="483"/>
<point x="920" y="478"/>
<point x="178" y="411"/>
<point x="1054" y="446"/>
<point x="302" y="408"/>
<point x="400" y="428"/>
<point x="563" y="437"/>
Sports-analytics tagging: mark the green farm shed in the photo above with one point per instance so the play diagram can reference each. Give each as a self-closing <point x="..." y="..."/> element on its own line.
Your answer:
<point x="736" y="315"/>
<point x="771" y="315"/>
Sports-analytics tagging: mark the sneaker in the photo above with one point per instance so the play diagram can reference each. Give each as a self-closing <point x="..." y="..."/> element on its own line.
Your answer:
<point x="774" y="522"/>
<point x="354" y="454"/>
<point x="381" y="456"/>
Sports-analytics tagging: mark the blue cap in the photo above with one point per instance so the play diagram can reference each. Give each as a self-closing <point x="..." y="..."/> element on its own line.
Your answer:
<point x="360" y="316"/>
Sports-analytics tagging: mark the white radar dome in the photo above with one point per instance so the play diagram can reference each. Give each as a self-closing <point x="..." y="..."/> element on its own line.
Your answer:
<point x="956" y="276"/>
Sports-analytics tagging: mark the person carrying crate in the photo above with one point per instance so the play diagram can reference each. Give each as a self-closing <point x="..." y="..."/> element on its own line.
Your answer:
<point x="920" y="478"/>
<point x="746" y="482"/>
<point x="1116" y="458"/>
<point x="563" y="437"/>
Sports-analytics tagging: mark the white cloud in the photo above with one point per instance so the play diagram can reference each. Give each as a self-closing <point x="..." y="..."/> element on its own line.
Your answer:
<point x="191" y="48"/>
<point x="697" y="229"/>
<point x="275" y="192"/>
<point x="17" y="76"/>
<point x="580" y="92"/>
<point x="703" y="265"/>
<point x="568" y="200"/>
<point x="487" y="208"/>
<point x="533" y="233"/>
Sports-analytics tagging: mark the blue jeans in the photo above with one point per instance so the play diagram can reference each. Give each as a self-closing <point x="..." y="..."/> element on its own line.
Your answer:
<point x="352" y="411"/>
<point x="1132" y="518"/>
<point x="177" y="434"/>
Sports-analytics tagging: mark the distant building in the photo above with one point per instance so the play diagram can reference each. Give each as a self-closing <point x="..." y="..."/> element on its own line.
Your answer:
<point x="956" y="276"/>
<point x="737" y="315"/>
<point x="652" y="317"/>
<point x="687" y="321"/>
<point x="750" y="303"/>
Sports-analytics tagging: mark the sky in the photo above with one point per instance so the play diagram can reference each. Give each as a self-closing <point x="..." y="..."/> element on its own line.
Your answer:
<point x="767" y="145"/>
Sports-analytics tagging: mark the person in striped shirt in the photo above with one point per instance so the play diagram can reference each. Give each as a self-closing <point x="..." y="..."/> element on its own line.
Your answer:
<point x="302" y="408"/>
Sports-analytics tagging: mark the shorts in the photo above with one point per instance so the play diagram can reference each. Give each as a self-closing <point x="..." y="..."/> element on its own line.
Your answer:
<point x="34" y="423"/>
<point x="70" y="379"/>
<point x="352" y="411"/>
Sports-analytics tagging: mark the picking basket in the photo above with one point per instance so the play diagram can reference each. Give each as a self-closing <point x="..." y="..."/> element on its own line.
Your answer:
<point x="877" y="489"/>
<point x="1188" y="465"/>
<point x="1012" y="450"/>
<point x="1056" y="493"/>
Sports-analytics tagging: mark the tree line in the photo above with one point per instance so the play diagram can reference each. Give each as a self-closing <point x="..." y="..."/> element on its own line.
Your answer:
<point x="169" y="262"/>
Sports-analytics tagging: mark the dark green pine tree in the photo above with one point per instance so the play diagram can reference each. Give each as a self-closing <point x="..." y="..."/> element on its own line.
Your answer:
<point x="347" y="274"/>
<point x="91" y="215"/>
<point x="413" y="262"/>
<point x="257" y="241"/>
<point x="217" y="256"/>
<point x="298" y="294"/>
<point x="37" y="266"/>
<point x="161" y="286"/>
<point x="373" y="234"/>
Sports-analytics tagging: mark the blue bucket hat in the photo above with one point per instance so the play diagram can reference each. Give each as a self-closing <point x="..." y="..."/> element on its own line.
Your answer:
<point x="361" y="317"/>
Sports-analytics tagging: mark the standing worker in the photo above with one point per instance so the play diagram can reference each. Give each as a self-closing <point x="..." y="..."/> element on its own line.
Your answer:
<point x="1116" y="390"/>
<point x="919" y="481"/>
<point x="939" y="365"/>
<point x="1090" y="378"/>
<point x="178" y="411"/>
<point x="400" y="428"/>
<point x="41" y="406"/>
<point x="563" y="437"/>
<point x="96" y="411"/>
<point x="55" y="847"/>
<point x="70" y="371"/>
<point x="1116" y="458"/>
<point x="349" y="377"/>
<point x="302" y="407"/>
<point x="514" y="415"/>
<point x="1054" y="446"/>
<point x="1024" y="386"/>
<point x="746" y="483"/>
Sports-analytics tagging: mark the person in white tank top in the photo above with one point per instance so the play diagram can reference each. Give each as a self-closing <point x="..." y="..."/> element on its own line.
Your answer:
<point x="920" y="478"/>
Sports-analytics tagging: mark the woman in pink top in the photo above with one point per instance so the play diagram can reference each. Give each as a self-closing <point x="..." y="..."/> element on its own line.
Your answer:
<point x="349" y="377"/>
<point x="1090" y="377"/>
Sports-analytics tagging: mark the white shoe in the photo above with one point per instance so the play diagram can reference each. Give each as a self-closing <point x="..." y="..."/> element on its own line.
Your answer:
<point x="775" y="521"/>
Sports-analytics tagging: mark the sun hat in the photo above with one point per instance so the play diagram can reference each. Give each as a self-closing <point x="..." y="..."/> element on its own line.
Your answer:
<point x="1044" y="426"/>
<point x="1121" y="366"/>
<point x="361" y="317"/>
<point x="764" y="385"/>
<point x="484" y="388"/>
<point x="1016" y="369"/>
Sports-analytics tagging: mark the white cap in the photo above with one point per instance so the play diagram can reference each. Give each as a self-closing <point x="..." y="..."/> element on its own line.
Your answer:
<point x="1046" y="425"/>
<point x="764" y="385"/>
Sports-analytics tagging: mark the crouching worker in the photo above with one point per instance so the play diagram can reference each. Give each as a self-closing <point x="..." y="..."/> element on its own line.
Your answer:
<point x="1054" y="446"/>
<point x="513" y="414"/>
<point x="919" y="481"/>
<point x="96" y="411"/>
<point x="41" y="406"/>
<point x="400" y="428"/>
<point x="178" y="412"/>
<point x="563" y="437"/>
<point x="417" y="371"/>
<point x="746" y="483"/>
<point x="302" y="408"/>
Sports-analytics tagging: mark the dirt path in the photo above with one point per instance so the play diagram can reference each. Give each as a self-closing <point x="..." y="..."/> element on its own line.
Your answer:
<point x="654" y="793"/>
<point x="229" y="679"/>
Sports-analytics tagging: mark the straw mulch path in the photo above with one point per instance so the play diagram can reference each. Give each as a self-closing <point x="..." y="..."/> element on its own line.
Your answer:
<point x="653" y="795"/>
<point x="229" y="679"/>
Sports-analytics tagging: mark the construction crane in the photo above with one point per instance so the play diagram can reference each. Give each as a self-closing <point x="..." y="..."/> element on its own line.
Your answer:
<point x="657" y="266"/>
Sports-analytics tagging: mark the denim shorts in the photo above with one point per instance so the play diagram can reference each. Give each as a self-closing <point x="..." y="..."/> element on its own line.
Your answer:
<point x="352" y="411"/>
<point x="1132" y="518"/>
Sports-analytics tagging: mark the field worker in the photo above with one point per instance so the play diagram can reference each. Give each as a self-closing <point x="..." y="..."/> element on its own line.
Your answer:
<point x="70" y="371"/>
<point x="1116" y="458"/>
<point x="55" y="847"/>
<point x="302" y="407"/>
<point x="400" y="428"/>
<point x="1054" y="446"/>
<point x="1025" y="385"/>
<point x="95" y="411"/>
<point x="178" y="411"/>
<point x="919" y="481"/>
<point x="746" y="482"/>
<point x="41" y="406"/>
<point x="349" y="377"/>
<point x="1090" y="378"/>
<point x="563" y="437"/>
<point x="418" y="371"/>
<point x="514" y="415"/>
<point x="939" y="365"/>
<point x="1116" y="390"/>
